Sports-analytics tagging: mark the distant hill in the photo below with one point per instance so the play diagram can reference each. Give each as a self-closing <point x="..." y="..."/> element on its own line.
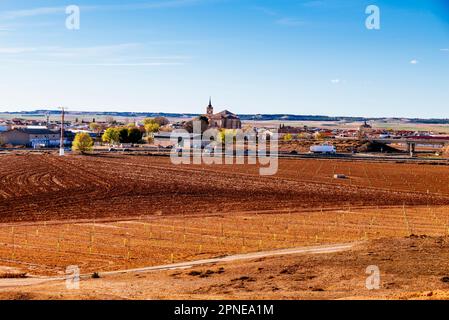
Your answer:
<point x="247" y="117"/>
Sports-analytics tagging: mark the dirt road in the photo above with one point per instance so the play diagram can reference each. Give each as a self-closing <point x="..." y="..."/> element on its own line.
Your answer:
<point x="9" y="283"/>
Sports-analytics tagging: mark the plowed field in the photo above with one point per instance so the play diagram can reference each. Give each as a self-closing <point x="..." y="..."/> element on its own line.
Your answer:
<point x="107" y="213"/>
<point x="46" y="187"/>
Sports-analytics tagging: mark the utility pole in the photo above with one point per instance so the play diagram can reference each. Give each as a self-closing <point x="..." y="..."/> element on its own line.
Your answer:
<point x="47" y="116"/>
<point x="61" y="144"/>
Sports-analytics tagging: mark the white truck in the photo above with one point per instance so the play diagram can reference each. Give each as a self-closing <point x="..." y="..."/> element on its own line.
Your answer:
<point x="323" y="149"/>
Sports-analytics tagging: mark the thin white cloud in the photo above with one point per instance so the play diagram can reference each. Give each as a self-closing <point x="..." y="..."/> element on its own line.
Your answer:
<point x="15" y="14"/>
<point x="5" y="29"/>
<point x="135" y="64"/>
<point x="17" y="50"/>
<point x="335" y="81"/>
<point x="31" y="12"/>
<point x="92" y="64"/>
<point x="313" y="4"/>
<point x="266" y="11"/>
<point x="70" y="52"/>
<point x="414" y="61"/>
<point x="118" y="55"/>
<point x="281" y="20"/>
<point x="445" y="49"/>
<point x="290" y="22"/>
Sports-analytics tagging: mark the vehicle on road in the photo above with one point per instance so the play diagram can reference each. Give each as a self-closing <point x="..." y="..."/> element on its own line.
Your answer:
<point x="323" y="149"/>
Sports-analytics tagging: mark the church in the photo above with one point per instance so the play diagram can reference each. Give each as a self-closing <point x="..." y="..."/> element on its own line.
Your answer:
<point x="222" y="120"/>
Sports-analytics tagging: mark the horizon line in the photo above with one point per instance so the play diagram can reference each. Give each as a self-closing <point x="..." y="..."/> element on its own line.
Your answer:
<point x="39" y="111"/>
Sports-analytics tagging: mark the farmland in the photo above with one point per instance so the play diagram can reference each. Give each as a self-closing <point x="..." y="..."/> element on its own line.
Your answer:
<point x="106" y="213"/>
<point x="45" y="187"/>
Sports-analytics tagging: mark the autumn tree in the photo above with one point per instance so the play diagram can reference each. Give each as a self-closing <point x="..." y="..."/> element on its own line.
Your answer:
<point x="151" y="128"/>
<point x="227" y="135"/>
<point x="148" y="121"/>
<point x="111" y="136"/>
<point x="82" y="143"/>
<point x="288" y="137"/>
<point x="320" y="136"/>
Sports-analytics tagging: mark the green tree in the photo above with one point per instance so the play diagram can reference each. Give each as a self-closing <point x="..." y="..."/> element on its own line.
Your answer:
<point x="123" y="135"/>
<point x="134" y="135"/>
<point x="82" y="143"/>
<point x="111" y="136"/>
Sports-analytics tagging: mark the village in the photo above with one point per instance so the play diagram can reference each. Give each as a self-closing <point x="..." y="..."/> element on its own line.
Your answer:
<point x="127" y="134"/>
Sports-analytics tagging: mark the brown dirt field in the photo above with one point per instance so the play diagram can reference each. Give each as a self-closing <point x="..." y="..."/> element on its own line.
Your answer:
<point x="46" y="187"/>
<point x="410" y="268"/>
<point x="98" y="246"/>
<point x="117" y="212"/>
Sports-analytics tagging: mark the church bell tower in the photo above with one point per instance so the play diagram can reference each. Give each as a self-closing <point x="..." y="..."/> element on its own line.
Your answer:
<point x="210" y="109"/>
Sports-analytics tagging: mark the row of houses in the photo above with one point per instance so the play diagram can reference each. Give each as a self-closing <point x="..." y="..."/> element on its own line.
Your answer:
<point x="34" y="137"/>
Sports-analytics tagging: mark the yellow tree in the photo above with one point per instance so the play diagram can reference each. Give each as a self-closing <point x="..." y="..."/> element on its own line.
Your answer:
<point x="111" y="136"/>
<point x="151" y="128"/>
<point x="82" y="143"/>
<point x="95" y="127"/>
<point x="288" y="137"/>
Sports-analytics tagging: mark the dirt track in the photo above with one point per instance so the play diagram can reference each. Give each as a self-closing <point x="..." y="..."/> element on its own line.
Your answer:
<point x="46" y="187"/>
<point x="8" y="283"/>
<point x="410" y="268"/>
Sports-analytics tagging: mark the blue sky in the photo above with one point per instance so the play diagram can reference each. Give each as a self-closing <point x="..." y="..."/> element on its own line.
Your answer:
<point x="253" y="56"/>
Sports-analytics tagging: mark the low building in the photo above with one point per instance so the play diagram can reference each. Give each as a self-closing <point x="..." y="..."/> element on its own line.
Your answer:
<point x="29" y="137"/>
<point x="4" y="127"/>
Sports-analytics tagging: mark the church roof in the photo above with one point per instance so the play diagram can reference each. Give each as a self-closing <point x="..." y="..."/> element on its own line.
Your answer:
<point x="225" y="114"/>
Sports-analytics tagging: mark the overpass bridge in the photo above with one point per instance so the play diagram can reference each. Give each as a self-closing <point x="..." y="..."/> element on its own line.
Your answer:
<point x="411" y="142"/>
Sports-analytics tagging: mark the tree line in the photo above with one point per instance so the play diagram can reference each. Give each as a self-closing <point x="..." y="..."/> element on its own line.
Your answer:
<point x="83" y="142"/>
